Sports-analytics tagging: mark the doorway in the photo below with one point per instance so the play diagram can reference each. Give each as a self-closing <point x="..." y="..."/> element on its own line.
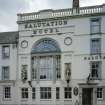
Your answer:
<point x="87" y="96"/>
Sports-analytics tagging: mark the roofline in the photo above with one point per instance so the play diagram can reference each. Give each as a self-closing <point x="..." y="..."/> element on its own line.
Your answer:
<point x="9" y="32"/>
<point x="64" y="17"/>
<point x="52" y="10"/>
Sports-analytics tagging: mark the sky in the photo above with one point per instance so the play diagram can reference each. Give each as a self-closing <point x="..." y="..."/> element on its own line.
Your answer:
<point x="10" y="8"/>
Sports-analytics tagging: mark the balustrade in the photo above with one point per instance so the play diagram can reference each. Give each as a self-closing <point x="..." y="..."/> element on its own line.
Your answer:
<point x="60" y="13"/>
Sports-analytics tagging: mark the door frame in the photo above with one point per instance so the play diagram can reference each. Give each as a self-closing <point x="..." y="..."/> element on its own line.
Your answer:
<point x="94" y="95"/>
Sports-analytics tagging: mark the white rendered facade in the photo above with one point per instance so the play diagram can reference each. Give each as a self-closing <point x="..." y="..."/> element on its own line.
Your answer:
<point x="50" y="43"/>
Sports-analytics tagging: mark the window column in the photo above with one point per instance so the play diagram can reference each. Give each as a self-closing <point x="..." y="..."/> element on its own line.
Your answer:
<point x="54" y="68"/>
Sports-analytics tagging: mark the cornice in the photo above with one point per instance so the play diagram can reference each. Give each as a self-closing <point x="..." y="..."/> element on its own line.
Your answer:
<point x="63" y="18"/>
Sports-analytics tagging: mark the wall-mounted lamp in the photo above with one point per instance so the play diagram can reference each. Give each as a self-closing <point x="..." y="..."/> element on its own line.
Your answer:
<point x="30" y="83"/>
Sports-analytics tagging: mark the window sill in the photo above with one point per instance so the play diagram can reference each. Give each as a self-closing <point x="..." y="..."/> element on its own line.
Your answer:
<point x="96" y="53"/>
<point x="95" y="33"/>
<point x="7" y="81"/>
<point x="5" y="58"/>
<point x="33" y="99"/>
<point x="68" y="99"/>
<point x="45" y="99"/>
<point x="99" y="99"/>
<point x="95" y="79"/>
<point x="57" y="99"/>
<point x="7" y="99"/>
<point x="26" y="99"/>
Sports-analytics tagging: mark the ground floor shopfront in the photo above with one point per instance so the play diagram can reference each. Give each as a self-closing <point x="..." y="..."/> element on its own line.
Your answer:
<point x="49" y="93"/>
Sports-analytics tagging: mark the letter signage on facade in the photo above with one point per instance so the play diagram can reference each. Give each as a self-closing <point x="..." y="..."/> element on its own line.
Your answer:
<point x="47" y="27"/>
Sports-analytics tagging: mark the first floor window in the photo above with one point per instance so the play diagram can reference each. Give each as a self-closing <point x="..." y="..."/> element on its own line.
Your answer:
<point x="99" y="93"/>
<point x="95" y="46"/>
<point x="45" y="93"/>
<point x="33" y="93"/>
<point x="5" y="51"/>
<point x="57" y="93"/>
<point x="45" y="67"/>
<point x="24" y="93"/>
<point x="95" y="25"/>
<point x="95" y="70"/>
<point x="67" y="92"/>
<point x="46" y="60"/>
<point x="5" y="73"/>
<point x="7" y="92"/>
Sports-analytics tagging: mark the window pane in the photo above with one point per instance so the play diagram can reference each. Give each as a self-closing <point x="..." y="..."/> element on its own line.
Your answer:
<point x="58" y="65"/>
<point x="46" y="67"/>
<point x="68" y="92"/>
<point x="95" y="70"/>
<point x="5" y="73"/>
<point x="95" y="46"/>
<point x="100" y="93"/>
<point x="43" y="67"/>
<point x="24" y="92"/>
<point x="7" y="92"/>
<point x="45" y="93"/>
<point x="45" y="46"/>
<point x="5" y="51"/>
<point x="34" y="67"/>
<point x="33" y="93"/>
<point x="57" y="93"/>
<point x="95" y="25"/>
<point x="95" y="29"/>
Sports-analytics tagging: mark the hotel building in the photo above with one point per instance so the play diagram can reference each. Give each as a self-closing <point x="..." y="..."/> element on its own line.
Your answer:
<point x="57" y="57"/>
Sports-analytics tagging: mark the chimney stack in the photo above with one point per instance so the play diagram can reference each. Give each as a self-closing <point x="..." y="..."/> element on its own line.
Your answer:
<point x="75" y="6"/>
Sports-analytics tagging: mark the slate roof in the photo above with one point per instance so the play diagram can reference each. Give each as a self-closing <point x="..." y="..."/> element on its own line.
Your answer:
<point x="9" y="37"/>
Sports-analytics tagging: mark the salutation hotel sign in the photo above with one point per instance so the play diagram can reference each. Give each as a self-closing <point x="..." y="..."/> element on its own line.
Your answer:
<point x="46" y="27"/>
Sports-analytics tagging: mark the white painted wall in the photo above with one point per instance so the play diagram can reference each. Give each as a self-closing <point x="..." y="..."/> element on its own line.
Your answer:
<point x="11" y="62"/>
<point x="79" y="30"/>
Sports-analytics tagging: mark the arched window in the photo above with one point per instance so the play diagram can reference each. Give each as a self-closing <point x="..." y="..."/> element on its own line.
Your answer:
<point x="45" y="46"/>
<point x="46" y="60"/>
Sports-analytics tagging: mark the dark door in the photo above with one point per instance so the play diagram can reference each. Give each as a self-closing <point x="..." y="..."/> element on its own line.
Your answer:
<point x="87" y="96"/>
